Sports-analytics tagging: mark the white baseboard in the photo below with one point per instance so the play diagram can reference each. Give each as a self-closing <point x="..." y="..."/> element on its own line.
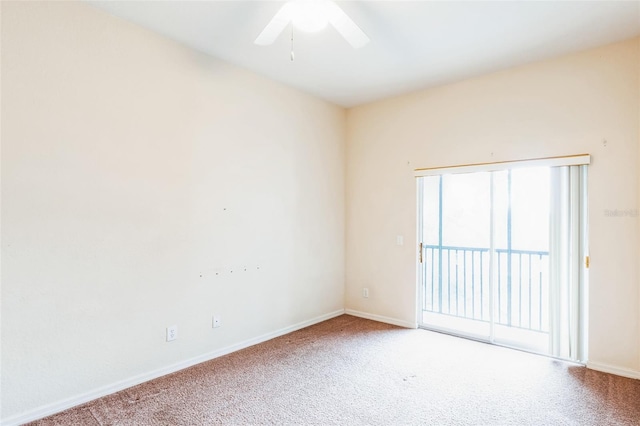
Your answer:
<point x="65" y="404"/>
<point x="605" y="368"/>
<point x="380" y="318"/>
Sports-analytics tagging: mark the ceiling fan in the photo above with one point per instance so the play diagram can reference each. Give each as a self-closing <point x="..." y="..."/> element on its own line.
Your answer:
<point x="312" y="16"/>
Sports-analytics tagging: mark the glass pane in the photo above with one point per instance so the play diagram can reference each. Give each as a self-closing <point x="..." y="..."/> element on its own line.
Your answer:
<point x="466" y="209"/>
<point x="530" y="208"/>
<point x="456" y="272"/>
<point x="522" y="198"/>
<point x="430" y="209"/>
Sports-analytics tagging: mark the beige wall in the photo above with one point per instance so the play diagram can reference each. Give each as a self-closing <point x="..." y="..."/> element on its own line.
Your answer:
<point x="559" y="107"/>
<point x="638" y="50"/>
<point x="131" y="165"/>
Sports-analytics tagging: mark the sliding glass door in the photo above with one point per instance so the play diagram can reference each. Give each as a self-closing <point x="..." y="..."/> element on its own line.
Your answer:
<point x="521" y="224"/>
<point x="501" y="256"/>
<point x="456" y="241"/>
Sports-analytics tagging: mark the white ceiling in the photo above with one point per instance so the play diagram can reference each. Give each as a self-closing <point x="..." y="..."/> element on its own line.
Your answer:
<point x="414" y="44"/>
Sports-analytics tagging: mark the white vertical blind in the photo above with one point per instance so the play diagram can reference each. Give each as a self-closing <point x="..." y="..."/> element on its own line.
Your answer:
<point x="567" y="254"/>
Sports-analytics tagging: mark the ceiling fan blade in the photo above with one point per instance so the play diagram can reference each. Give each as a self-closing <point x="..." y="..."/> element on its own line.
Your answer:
<point x="277" y="24"/>
<point x="346" y="27"/>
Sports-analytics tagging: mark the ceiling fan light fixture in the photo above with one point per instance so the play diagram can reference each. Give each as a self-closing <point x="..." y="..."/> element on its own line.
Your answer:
<point x="310" y="16"/>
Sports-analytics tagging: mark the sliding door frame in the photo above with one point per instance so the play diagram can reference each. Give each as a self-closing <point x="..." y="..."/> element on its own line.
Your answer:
<point x="580" y="311"/>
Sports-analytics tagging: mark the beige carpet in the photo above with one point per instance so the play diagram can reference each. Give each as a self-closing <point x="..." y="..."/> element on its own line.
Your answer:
<point x="352" y="371"/>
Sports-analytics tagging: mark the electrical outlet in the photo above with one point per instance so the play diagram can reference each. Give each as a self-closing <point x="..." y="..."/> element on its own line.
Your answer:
<point x="365" y="292"/>
<point x="172" y="333"/>
<point x="217" y="321"/>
